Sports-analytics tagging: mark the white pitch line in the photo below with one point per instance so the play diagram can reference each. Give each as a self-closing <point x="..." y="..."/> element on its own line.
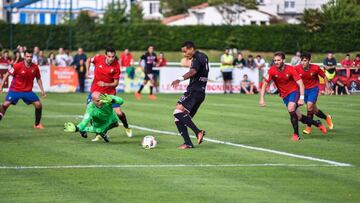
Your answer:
<point x="335" y="163"/>
<point x="163" y="166"/>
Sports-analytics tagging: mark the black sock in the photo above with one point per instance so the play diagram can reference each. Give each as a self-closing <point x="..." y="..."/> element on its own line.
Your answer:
<point x="310" y="115"/>
<point x="141" y="87"/>
<point x="306" y="120"/>
<point x="320" y="114"/>
<point x="183" y="132"/>
<point x="151" y="90"/>
<point x="295" y="122"/>
<point x="37" y="115"/>
<point x="186" y="119"/>
<point x="123" y="119"/>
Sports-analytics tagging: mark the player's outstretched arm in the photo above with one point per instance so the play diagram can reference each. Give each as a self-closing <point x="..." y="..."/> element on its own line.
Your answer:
<point x="262" y="94"/>
<point x="39" y="81"/>
<point x="87" y="64"/>
<point x="302" y="90"/>
<point x="328" y="89"/>
<point x="105" y="98"/>
<point x="86" y="120"/>
<point x="187" y="75"/>
<point x="4" y="79"/>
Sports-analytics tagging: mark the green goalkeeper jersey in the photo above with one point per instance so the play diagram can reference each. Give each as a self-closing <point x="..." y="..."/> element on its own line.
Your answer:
<point x="102" y="117"/>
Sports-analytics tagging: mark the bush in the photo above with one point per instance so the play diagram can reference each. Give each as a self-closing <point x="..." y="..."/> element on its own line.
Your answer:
<point x="289" y="38"/>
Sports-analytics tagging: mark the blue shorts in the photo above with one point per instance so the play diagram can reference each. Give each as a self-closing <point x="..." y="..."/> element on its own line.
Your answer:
<point x="311" y="95"/>
<point x="292" y="97"/>
<point x="88" y="100"/>
<point x="27" y="97"/>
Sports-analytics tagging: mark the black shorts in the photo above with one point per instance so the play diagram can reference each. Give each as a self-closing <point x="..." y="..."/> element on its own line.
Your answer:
<point x="149" y="76"/>
<point x="192" y="101"/>
<point x="227" y="75"/>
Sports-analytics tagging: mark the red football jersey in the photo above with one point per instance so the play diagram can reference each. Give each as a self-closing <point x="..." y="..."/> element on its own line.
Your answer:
<point x="23" y="77"/>
<point x="126" y="59"/>
<point x="105" y="73"/>
<point x="285" y="80"/>
<point x="310" y="77"/>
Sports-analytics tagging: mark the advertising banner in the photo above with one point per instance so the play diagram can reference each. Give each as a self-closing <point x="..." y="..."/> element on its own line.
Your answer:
<point x="215" y="80"/>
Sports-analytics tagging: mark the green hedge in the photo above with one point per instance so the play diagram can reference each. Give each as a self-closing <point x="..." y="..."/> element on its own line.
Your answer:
<point x="340" y="37"/>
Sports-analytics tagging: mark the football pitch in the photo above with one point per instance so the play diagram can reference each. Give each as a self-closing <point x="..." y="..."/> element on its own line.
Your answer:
<point x="247" y="155"/>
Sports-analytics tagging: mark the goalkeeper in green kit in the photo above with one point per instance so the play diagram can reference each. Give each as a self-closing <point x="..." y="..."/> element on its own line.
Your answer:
<point x="102" y="115"/>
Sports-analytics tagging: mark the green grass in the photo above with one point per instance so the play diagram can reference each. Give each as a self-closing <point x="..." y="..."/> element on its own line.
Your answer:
<point x="232" y="118"/>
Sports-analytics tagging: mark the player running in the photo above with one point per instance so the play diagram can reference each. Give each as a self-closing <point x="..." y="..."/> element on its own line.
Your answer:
<point x="290" y="86"/>
<point x="310" y="73"/>
<point x="149" y="59"/>
<point x="190" y="102"/>
<point x="101" y="114"/>
<point x="23" y="74"/>
<point x="106" y="79"/>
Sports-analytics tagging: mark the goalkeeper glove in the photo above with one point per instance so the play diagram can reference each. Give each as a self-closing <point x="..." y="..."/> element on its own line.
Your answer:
<point x="104" y="98"/>
<point x="70" y="127"/>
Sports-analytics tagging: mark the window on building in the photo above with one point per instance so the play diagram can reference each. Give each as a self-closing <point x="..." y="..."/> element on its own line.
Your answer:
<point x="154" y="8"/>
<point x="290" y="4"/>
<point x="262" y="22"/>
<point x="200" y="18"/>
<point x="253" y="22"/>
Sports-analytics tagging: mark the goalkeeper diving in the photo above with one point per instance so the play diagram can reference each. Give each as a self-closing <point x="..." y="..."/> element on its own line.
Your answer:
<point x="101" y="114"/>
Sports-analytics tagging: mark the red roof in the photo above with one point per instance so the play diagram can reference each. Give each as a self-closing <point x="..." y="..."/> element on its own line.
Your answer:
<point x="183" y="15"/>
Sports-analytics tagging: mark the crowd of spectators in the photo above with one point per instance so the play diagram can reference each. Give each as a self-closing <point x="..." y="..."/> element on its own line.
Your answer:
<point x="342" y="76"/>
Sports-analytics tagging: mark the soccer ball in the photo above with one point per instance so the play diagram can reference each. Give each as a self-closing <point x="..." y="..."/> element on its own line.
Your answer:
<point x="149" y="142"/>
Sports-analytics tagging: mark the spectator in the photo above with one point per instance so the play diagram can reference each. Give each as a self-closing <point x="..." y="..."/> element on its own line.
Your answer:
<point x="247" y="86"/>
<point x="17" y="57"/>
<point x="161" y="60"/>
<point x="250" y="63"/>
<point x="70" y="59"/>
<point x="52" y="59"/>
<point x="329" y="66"/>
<point x="36" y="52"/>
<point x="61" y="58"/>
<point x="295" y="60"/>
<point x="42" y="60"/>
<point x="127" y="61"/>
<point x="226" y="69"/>
<point x="356" y="64"/>
<point x="79" y="56"/>
<point x="260" y="64"/>
<point x="347" y="64"/>
<point x="5" y="59"/>
<point x="239" y="62"/>
<point x="342" y="78"/>
<point x="21" y="50"/>
<point x="81" y="70"/>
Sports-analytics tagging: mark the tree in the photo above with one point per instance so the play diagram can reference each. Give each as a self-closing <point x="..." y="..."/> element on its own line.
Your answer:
<point x="115" y="14"/>
<point x="312" y="19"/>
<point x="85" y="26"/>
<point x="136" y="15"/>
<point x="250" y="4"/>
<point x="341" y="10"/>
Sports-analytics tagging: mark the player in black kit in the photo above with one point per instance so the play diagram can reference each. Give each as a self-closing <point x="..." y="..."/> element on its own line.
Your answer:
<point x="149" y="59"/>
<point x="190" y="102"/>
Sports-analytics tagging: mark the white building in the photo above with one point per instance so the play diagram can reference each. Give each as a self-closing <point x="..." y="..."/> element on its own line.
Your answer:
<point x="289" y="10"/>
<point x="204" y="14"/>
<point x="54" y="11"/>
<point x="151" y="9"/>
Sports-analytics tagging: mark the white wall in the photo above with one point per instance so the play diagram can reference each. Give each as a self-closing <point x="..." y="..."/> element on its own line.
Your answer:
<point x="211" y="16"/>
<point x="278" y="6"/>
